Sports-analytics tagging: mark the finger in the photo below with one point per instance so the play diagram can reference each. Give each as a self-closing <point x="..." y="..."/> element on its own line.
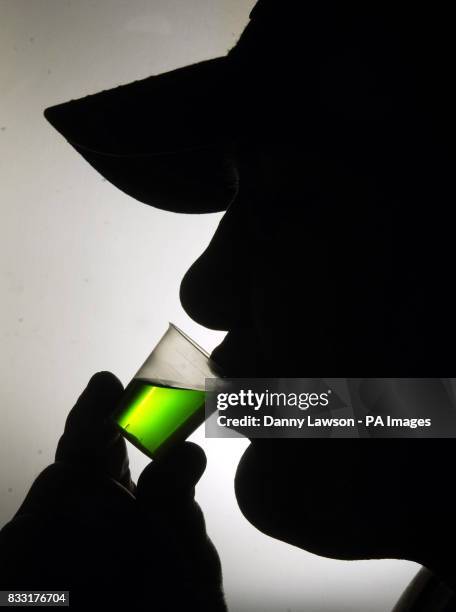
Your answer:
<point x="62" y="489"/>
<point x="96" y="402"/>
<point x="90" y="440"/>
<point x="172" y="476"/>
<point x="87" y="426"/>
<point x="165" y="497"/>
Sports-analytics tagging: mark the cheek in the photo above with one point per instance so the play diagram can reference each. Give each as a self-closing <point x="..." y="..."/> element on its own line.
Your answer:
<point x="291" y="300"/>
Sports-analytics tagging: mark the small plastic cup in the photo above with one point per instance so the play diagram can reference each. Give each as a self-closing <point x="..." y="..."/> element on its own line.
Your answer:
<point x="164" y="402"/>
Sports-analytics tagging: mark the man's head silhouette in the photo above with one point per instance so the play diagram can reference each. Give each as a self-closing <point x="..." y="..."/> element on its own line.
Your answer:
<point x="324" y="135"/>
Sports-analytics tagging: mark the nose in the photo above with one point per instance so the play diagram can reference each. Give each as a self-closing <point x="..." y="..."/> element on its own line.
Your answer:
<point x="215" y="290"/>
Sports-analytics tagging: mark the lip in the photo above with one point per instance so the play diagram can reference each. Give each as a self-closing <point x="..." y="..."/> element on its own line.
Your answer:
<point x="239" y="355"/>
<point x="224" y="360"/>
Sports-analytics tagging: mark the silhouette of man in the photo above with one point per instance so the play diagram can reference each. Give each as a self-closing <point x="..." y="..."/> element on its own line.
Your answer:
<point x="325" y="133"/>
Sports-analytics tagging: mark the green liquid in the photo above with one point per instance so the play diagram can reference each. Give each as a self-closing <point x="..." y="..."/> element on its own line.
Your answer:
<point x="152" y="417"/>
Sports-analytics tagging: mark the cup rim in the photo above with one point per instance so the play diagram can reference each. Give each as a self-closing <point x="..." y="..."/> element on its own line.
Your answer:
<point x="192" y="342"/>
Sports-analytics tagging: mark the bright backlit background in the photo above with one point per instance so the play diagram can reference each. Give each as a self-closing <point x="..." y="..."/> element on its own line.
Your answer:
<point x="90" y="277"/>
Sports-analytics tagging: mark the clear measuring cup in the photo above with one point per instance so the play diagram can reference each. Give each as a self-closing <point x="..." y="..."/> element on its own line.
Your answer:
<point x="164" y="402"/>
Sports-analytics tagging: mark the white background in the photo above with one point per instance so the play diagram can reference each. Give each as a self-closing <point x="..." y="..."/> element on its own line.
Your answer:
<point x="90" y="277"/>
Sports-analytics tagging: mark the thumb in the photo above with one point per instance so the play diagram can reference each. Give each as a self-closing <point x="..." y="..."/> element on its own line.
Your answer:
<point x="172" y="476"/>
<point x="165" y="495"/>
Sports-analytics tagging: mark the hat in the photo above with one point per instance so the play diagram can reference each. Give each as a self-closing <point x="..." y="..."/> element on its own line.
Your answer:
<point x="167" y="140"/>
<point x="318" y="73"/>
<point x="164" y="140"/>
<point x="161" y="140"/>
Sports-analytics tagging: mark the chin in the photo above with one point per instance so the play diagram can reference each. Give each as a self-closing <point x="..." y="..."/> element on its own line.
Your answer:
<point x="289" y="502"/>
<point x="259" y="496"/>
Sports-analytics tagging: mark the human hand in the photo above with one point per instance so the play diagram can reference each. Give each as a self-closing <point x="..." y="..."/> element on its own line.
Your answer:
<point x="85" y="527"/>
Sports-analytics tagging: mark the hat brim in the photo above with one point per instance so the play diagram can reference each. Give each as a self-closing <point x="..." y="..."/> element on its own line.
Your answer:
<point x="164" y="140"/>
